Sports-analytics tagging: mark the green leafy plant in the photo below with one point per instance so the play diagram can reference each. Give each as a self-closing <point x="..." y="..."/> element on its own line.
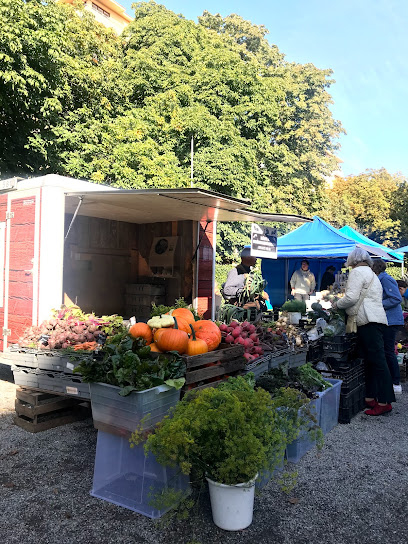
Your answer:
<point x="129" y="364"/>
<point x="228" y="433"/>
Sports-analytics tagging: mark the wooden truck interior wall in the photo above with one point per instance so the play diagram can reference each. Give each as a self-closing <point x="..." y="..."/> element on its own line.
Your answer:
<point x="102" y="256"/>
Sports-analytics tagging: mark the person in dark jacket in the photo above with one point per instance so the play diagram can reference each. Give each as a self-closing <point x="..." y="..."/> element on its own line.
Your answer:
<point x="237" y="276"/>
<point x="328" y="278"/>
<point x="392" y="305"/>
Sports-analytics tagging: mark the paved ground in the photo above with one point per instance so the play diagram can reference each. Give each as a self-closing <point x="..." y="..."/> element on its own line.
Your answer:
<point x="354" y="492"/>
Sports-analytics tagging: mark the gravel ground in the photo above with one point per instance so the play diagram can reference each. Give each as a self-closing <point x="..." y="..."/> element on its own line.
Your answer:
<point x="354" y="492"/>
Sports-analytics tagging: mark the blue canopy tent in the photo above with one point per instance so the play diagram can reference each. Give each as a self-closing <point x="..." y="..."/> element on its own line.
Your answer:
<point x="320" y="243"/>
<point x="358" y="237"/>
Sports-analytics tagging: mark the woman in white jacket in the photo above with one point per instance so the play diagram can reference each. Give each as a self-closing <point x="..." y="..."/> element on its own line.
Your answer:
<point x="363" y="299"/>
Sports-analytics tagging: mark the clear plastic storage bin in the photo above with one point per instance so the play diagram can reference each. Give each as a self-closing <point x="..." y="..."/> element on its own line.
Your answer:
<point x="329" y="408"/>
<point x="299" y="447"/>
<point x="126" y="477"/>
<point x="125" y="413"/>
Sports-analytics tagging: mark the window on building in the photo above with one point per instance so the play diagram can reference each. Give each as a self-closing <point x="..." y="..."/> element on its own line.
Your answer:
<point x="100" y="10"/>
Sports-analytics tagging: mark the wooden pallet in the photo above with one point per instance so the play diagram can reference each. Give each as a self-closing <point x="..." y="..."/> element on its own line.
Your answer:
<point x="38" y="411"/>
<point x="209" y="369"/>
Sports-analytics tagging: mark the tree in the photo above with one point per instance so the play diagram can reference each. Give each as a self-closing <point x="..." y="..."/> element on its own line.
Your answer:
<point x="368" y="199"/>
<point x="53" y="62"/>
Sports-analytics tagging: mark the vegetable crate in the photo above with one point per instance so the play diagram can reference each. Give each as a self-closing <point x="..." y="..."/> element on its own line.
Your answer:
<point x="351" y="404"/>
<point x="278" y="358"/>
<point x="208" y="369"/>
<point x="339" y="343"/>
<point x="126" y="477"/>
<point x="22" y="357"/>
<point x="351" y="375"/>
<point x="314" y="351"/>
<point x="297" y="357"/>
<point x="120" y="415"/>
<point x="37" y="411"/>
<point x="258" y="366"/>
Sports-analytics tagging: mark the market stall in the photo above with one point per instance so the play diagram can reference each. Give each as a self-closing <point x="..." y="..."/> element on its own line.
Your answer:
<point x="317" y="241"/>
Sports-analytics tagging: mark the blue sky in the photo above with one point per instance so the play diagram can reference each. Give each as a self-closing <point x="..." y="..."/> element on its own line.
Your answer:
<point x="364" y="42"/>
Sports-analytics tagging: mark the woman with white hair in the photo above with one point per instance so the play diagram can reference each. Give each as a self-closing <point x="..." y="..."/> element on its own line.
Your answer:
<point x="363" y="303"/>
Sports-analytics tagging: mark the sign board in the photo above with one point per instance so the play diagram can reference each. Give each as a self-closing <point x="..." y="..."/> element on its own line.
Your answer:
<point x="8" y="184"/>
<point x="263" y="242"/>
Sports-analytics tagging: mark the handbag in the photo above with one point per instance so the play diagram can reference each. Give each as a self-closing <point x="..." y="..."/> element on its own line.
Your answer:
<point x="351" y="325"/>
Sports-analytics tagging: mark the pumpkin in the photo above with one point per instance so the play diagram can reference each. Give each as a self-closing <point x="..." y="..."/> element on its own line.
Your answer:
<point x="183" y="325"/>
<point x="183" y="313"/>
<point x="141" y="330"/>
<point x="154" y="348"/>
<point x="157" y="334"/>
<point x="195" y="345"/>
<point x="172" y="339"/>
<point x="209" y="332"/>
<point x="159" y="321"/>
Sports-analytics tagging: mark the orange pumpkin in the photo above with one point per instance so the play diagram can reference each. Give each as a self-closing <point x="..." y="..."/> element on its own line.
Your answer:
<point x="182" y="324"/>
<point x="141" y="330"/>
<point x="209" y="332"/>
<point x="172" y="340"/>
<point x="195" y="345"/>
<point x="157" y="334"/>
<point x="154" y="348"/>
<point x="184" y="313"/>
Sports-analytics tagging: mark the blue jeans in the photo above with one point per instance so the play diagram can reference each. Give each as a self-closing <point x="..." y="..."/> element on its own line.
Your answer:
<point x="389" y="334"/>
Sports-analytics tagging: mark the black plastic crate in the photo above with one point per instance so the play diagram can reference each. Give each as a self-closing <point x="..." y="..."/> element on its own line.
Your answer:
<point x="351" y="404"/>
<point x="351" y="374"/>
<point x="339" y="343"/>
<point x="315" y="351"/>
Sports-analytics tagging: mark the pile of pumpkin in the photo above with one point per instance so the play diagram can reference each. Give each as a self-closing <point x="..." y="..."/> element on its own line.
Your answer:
<point x="178" y="331"/>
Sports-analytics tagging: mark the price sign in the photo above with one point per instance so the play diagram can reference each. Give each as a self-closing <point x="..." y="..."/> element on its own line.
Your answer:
<point x="263" y="242"/>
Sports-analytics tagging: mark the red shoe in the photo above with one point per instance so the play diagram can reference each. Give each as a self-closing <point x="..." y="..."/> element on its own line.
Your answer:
<point x="371" y="403"/>
<point x="378" y="410"/>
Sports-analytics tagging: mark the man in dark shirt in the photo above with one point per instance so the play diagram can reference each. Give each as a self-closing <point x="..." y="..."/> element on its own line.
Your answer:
<point x="328" y="278"/>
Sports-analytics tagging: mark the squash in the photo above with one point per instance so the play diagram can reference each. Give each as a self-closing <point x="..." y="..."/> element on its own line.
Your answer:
<point x="209" y="332"/>
<point x="195" y="345"/>
<point x="157" y="334"/>
<point x="183" y="313"/>
<point x="141" y="330"/>
<point x="157" y="322"/>
<point x="172" y="339"/>
<point x="183" y="325"/>
<point x="154" y="348"/>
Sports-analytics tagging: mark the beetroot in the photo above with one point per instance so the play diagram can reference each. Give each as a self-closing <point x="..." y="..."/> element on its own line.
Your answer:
<point x="253" y="337"/>
<point x="234" y="324"/>
<point x="236" y="332"/>
<point x="244" y="334"/>
<point x="251" y="328"/>
<point x="229" y="339"/>
<point x="224" y="328"/>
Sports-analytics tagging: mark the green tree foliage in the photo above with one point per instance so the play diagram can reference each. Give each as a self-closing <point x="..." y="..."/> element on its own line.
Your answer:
<point x="367" y="202"/>
<point x="77" y="99"/>
<point x="53" y="65"/>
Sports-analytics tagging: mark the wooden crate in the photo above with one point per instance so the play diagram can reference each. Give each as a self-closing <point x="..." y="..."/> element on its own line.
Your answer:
<point x="38" y="411"/>
<point x="209" y="369"/>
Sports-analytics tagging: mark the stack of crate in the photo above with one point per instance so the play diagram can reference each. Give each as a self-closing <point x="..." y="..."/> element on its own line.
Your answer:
<point x="139" y="298"/>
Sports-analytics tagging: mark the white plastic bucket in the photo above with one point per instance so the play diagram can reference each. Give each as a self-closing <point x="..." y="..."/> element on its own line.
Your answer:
<point x="294" y="317"/>
<point x="232" y="505"/>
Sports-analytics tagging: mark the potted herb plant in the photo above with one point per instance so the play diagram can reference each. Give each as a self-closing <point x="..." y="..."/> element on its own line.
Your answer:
<point x="227" y="435"/>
